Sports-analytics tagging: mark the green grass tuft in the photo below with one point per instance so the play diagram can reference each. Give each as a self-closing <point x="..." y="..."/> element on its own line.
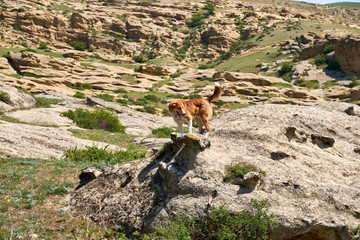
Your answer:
<point x="95" y="154"/>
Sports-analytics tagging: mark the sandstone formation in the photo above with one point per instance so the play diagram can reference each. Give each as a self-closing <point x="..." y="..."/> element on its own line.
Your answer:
<point x="309" y="155"/>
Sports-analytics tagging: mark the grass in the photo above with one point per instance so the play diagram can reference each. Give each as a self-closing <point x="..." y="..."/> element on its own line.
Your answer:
<point x="281" y="85"/>
<point x="345" y="4"/>
<point x="115" y="138"/>
<point x="220" y="223"/>
<point x="248" y="63"/>
<point x="102" y="155"/>
<point x="96" y="119"/>
<point x="309" y="84"/>
<point x="15" y="120"/>
<point x="163" y="132"/>
<point x="47" y="102"/>
<point x="239" y="170"/>
<point x="32" y="200"/>
<point x="328" y="84"/>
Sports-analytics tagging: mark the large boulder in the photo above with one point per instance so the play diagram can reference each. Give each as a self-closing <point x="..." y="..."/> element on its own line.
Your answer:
<point x="13" y="98"/>
<point x="310" y="156"/>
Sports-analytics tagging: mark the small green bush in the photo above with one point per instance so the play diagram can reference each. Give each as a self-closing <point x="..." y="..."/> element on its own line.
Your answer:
<point x="195" y="96"/>
<point x="210" y="8"/>
<point x="20" y="10"/>
<point x="47" y="102"/>
<point x="175" y="75"/>
<point x="310" y="84"/>
<point x="4" y="96"/>
<point x="120" y="90"/>
<point x="238" y="170"/>
<point x="152" y="98"/>
<point x="79" y="95"/>
<point x="78" y="45"/>
<point x="354" y="82"/>
<point x="106" y="97"/>
<point x="163" y="132"/>
<point x="95" y="154"/>
<point x="24" y="44"/>
<point x="43" y="45"/>
<point x="122" y="102"/>
<point x="329" y="48"/>
<point x="86" y="86"/>
<point x="196" y="20"/>
<point x="320" y="60"/>
<point x="97" y="119"/>
<point x="139" y="58"/>
<point x="150" y="109"/>
<point x="285" y="68"/>
<point x="219" y="223"/>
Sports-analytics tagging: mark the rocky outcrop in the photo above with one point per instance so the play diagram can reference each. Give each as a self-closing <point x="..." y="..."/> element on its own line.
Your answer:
<point x="347" y="53"/>
<point x="13" y="98"/>
<point x="309" y="155"/>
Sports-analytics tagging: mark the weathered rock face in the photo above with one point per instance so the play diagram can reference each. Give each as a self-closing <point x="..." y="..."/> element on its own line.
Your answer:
<point x="310" y="155"/>
<point x="347" y="53"/>
<point x="15" y="99"/>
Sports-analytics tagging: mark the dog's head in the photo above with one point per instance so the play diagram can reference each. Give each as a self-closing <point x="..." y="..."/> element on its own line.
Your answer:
<point x="177" y="107"/>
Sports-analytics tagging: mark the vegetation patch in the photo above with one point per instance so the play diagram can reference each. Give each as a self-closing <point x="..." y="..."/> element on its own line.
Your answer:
<point x="27" y="186"/>
<point x="309" y="84"/>
<point x="220" y="223"/>
<point x="162" y="132"/>
<point x="47" y="102"/>
<point x="78" y="45"/>
<point x="106" y="97"/>
<point x="96" y="119"/>
<point x="102" y="155"/>
<point x="239" y="170"/>
<point x="280" y="84"/>
<point x="4" y="96"/>
<point x="79" y="95"/>
<point x="329" y="83"/>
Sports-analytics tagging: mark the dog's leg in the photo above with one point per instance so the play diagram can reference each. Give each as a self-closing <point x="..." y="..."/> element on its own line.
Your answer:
<point x="180" y="128"/>
<point x="199" y="123"/>
<point x="190" y="126"/>
<point x="205" y="121"/>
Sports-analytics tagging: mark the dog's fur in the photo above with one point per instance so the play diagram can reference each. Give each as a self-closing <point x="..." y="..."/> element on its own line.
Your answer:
<point x="184" y="111"/>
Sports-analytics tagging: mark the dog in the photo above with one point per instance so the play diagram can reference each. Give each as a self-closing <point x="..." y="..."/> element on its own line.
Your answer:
<point x="184" y="111"/>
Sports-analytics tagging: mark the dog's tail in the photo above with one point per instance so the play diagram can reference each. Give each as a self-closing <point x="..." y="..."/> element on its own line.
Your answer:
<point x="217" y="93"/>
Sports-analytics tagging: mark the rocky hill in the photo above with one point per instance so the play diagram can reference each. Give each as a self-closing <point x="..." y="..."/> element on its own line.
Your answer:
<point x="310" y="156"/>
<point x="294" y="67"/>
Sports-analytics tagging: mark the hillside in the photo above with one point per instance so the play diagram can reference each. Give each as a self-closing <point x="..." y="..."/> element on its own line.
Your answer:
<point x="345" y="4"/>
<point x="290" y="77"/>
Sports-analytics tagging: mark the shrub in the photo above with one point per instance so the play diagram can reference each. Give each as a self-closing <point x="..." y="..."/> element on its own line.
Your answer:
<point x="86" y="86"/>
<point x="210" y="8"/>
<point x="152" y="98"/>
<point x="79" y="95"/>
<point x="175" y="75"/>
<point x="285" y="68"/>
<point x="4" y="96"/>
<point x="24" y="44"/>
<point x="354" y="82"/>
<point x="106" y="97"/>
<point x="95" y="154"/>
<point x="122" y="102"/>
<point x="329" y="48"/>
<point x="120" y="90"/>
<point x="78" y="45"/>
<point x="220" y="223"/>
<point x="281" y="85"/>
<point x="43" y="45"/>
<point x="150" y="109"/>
<point x="238" y="170"/>
<point x="320" y="60"/>
<point x="310" y="84"/>
<point x="163" y="132"/>
<point x="47" y="102"/>
<point x="21" y="10"/>
<point x="139" y="59"/>
<point x="195" y="96"/>
<point x="196" y="20"/>
<point x="97" y="119"/>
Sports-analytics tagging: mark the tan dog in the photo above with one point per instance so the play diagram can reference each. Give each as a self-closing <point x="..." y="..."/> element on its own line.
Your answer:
<point x="184" y="111"/>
